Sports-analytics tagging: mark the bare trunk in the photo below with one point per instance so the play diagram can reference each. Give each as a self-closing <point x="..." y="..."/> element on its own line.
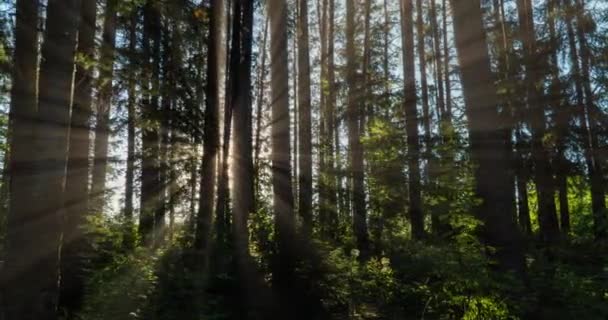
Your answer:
<point x="411" y="120"/>
<point x="104" y="105"/>
<point x="73" y="257"/>
<point x="304" y="119"/>
<point x="487" y="141"/>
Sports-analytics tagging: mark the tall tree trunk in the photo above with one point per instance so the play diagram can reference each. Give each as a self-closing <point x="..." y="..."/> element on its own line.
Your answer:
<point x="148" y="216"/>
<point x="51" y="144"/>
<point x="446" y="60"/>
<point x="411" y="119"/>
<point x="353" y="114"/>
<point x="488" y="151"/>
<point x="562" y="114"/>
<point x="543" y="175"/>
<point x="252" y="290"/>
<point x="304" y="118"/>
<point x="21" y="290"/>
<point x="333" y="126"/>
<point x="77" y="178"/>
<point x="438" y="62"/>
<point x="222" y="219"/>
<point x="129" y="241"/>
<point x="259" y="108"/>
<point x="211" y="131"/>
<point x="104" y="104"/>
<point x="423" y="80"/>
<point x="284" y="263"/>
<point x="596" y="172"/>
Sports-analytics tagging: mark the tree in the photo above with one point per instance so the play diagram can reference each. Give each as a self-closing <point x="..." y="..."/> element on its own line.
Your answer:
<point x="211" y="131"/>
<point x="304" y="119"/>
<point x="590" y="116"/>
<point x="77" y="177"/>
<point x="19" y="288"/>
<point x="411" y="120"/>
<point x="353" y="114"/>
<point x="281" y="149"/>
<point x="492" y="184"/>
<point x="104" y="103"/>
<point x="543" y="174"/>
<point x="129" y="241"/>
<point x="149" y="217"/>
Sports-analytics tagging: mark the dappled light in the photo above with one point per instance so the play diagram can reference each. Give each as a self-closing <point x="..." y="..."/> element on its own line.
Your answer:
<point x="294" y="159"/>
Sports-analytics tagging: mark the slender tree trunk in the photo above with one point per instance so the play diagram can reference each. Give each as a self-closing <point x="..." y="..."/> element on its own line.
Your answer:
<point x="580" y="99"/>
<point x="543" y="175"/>
<point x="242" y="117"/>
<point x="598" y="192"/>
<point x="353" y="113"/>
<point x="562" y="122"/>
<point x="77" y="178"/>
<point x="211" y="132"/>
<point x="259" y="108"/>
<point x="129" y="241"/>
<point x="522" y="186"/>
<point x="446" y="60"/>
<point x="438" y="62"/>
<point x="304" y="118"/>
<point x="411" y="119"/>
<point x="336" y="192"/>
<point x="222" y="218"/>
<point x="104" y="104"/>
<point x="423" y="80"/>
<point x="51" y="145"/>
<point x="284" y="263"/>
<point x="487" y="141"/>
<point x="21" y="298"/>
<point x="148" y="217"/>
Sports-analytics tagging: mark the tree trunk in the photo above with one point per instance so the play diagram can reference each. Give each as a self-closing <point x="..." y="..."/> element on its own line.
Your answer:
<point x="51" y="145"/>
<point x="21" y="290"/>
<point x="74" y="245"/>
<point x="596" y="172"/>
<point x="284" y="263"/>
<point x="543" y="176"/>
<point x="104" y="104"/>
<point x="222" y="219"/>
<point x="438" y="62"/>
<point x="446" y="61"/>
<point x="562" y="115"/>
<point x="259" y="108"/>
<point x="211" y="132"/>
<point x="354" y="130"/>
<point x="411" y="119"/>
<point x="487" y="140"/>
<point x="304" y="119"/>
<point x="150" y="137"/>
<point x="129" y="241"/>
<point x="423" y="80"/>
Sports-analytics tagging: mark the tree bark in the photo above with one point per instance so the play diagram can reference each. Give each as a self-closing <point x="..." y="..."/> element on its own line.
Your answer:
<point x="73" y="256"/>
<point x="150" y="137"/>
<point x="284" y="263"/>
<point x="104" y="105"/>
<point x="129" y="241"/>
<point x="20" y="290"/>
<point x="304" y="119"/>
<point x="596" y="172"/>
<point x="353" y="113"/>
<point x="543" y="175"/>
<point x="51" y="145"/>
<point x="411" y="120"/>
<point x="487" y="141"/>
<point x="211" y="132"/>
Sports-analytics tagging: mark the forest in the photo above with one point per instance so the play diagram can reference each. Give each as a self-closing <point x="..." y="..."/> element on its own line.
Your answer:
<point x="295" y="159"/>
